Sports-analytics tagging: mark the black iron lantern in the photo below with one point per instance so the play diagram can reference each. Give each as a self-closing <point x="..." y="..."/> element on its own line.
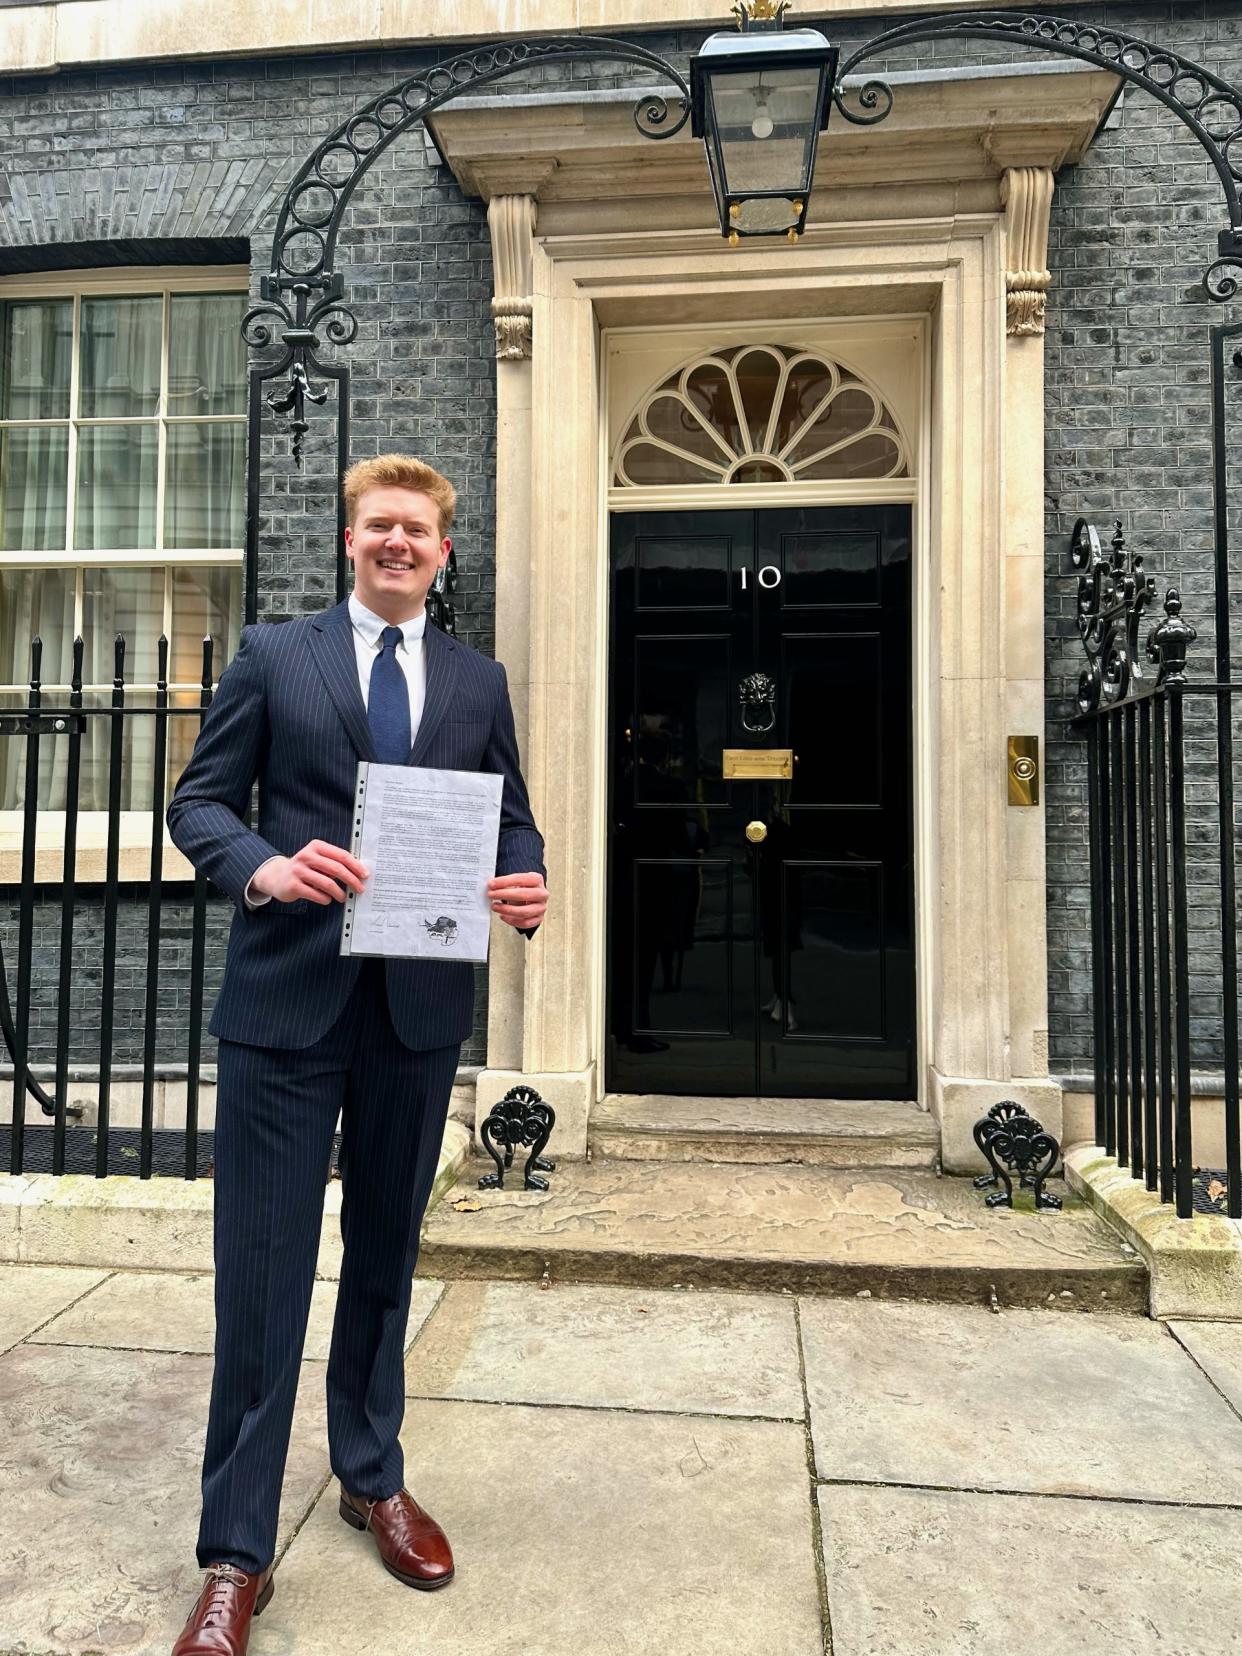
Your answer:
<point x="759" y="99"/>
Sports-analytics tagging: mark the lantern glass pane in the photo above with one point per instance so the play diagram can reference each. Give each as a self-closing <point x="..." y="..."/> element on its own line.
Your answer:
<point x="767" y="121"/>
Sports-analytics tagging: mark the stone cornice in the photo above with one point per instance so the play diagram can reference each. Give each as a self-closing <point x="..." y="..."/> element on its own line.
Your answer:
<point x="945" y="129"/>
<point x="69" y="34"/>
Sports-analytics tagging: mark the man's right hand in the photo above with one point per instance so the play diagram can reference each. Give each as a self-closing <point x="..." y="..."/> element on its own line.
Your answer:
<point x="321" y="872"/>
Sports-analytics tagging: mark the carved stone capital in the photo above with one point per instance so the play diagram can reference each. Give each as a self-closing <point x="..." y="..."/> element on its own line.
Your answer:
<point x="511" y="221"/>
<point x="1026" y="193"/>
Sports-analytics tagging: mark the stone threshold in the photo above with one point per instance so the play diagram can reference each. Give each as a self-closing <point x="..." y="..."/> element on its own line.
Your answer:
<point x="819" y="1132"/>
<point x="1194" y="1265"/>
<point x="903" y="1234"/>
<point x="153" y="1224"/>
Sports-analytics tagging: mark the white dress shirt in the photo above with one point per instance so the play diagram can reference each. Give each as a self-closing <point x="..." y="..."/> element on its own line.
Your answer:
<point x="368" y="631"/>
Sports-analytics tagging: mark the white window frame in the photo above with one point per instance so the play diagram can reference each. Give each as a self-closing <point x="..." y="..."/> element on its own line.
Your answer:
<point x="123" y="281"/>
<point x="120" y="281"/>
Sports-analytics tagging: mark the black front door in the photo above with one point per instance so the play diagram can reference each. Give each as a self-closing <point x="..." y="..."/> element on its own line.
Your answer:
<point x="761" y="927"/>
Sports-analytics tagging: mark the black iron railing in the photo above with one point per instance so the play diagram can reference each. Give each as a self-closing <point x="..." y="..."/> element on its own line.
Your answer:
<point x="1149" y="730"/>
<point x="72" y="982"/>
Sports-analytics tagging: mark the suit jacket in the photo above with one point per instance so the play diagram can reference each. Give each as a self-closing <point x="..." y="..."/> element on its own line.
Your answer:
<point x="288" y="713"/>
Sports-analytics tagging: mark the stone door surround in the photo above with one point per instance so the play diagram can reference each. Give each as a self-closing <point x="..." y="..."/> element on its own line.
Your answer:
<point x="939" y="216"/>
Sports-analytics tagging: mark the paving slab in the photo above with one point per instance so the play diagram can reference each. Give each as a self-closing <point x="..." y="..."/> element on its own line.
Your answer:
<point x="616" y="1348"/>
<point x="159" y="1311"/>
<point x="956" y="1396"/>
<point x="1217" y="1348"/>
<point x="930" y="1573"/>
<point x="100" y="1455"/>
<point x="576" y="1533"/>
<point x="816" y="1230"/>
<point x="30" y="1295"/>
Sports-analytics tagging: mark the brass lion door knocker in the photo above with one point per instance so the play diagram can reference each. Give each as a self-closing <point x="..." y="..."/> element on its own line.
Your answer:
<point x="757" y="694"/>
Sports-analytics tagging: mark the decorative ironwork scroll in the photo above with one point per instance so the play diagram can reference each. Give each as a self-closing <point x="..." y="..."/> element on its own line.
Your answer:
<point x="520" y="1120"/>
<point x="1014" y="1142"/>
<point x="1209" y="106"/>
<point x="1113" y="593"/>
<point x="441" y="610"/>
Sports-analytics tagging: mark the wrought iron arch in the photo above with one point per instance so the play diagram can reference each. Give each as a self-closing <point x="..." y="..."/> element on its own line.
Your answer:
<point x="302" y="294"/>
<point x="1210" y="107"/>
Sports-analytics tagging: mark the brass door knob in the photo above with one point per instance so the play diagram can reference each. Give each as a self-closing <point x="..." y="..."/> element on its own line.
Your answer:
<point x="756" y="832"/>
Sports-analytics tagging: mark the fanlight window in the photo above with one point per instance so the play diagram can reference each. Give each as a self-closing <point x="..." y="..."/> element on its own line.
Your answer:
<point x="760" y="414"/>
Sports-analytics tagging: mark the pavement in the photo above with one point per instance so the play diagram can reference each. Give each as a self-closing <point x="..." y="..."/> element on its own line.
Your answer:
<point x="626" y="1470"/>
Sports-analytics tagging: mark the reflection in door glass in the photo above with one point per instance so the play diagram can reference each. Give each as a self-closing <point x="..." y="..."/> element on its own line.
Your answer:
<point x="682" y="726"/>
<point x="827" y="962"/>
<point x="682" y="952"/>
<point x="830" y="570"/>
<point x="676" y="572"/>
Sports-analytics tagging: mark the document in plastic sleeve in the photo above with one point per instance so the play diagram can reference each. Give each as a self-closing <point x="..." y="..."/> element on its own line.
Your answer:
<point x="429" y="839"/>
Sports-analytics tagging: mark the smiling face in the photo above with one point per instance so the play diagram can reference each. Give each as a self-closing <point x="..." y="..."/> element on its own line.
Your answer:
<point x="396" y="546"/>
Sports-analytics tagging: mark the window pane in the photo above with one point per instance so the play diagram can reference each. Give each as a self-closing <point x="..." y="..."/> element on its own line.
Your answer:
<point x="37" y="340"/>
<point x="137" y="759"/>
<point x="120" y="357"/>
<point x="758" y="374"/>
<point x="35" y="603"/>
<point x="204" y="501"/>
<point x="137" y="755"/>
<point x="13" y="763"/>
<point x="34" y="476"/>
<point x="129" y="602"/>
<point x="116" y="486"/>
<point x="205" y="601"/>
<point x="207" y="357"/>
<point x="182" y="735"/>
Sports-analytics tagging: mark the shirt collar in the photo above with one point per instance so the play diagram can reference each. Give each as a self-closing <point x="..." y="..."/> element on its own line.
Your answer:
<point x="371" y="626"/>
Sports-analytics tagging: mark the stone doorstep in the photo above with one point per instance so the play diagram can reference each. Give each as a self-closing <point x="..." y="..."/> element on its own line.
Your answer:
<point x="815" y="1132"/>
<point x="153" y="1224"/>
<point x="902" y="1234"/>
<point x="1194" y="1265"/>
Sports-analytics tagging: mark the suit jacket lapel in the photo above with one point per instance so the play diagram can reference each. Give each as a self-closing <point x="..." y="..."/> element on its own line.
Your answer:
<point x="332" y="645"/>
<point x="440" y="654"/>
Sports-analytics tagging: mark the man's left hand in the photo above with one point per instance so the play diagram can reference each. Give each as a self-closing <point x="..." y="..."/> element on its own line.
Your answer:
<point x="519" y="900"/>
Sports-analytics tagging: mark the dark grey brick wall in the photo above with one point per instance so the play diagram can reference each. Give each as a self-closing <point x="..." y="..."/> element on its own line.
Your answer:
<point x="204" y="151"/>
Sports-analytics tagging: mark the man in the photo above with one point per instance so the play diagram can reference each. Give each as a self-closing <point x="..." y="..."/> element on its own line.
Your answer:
<point x="306" y="1035"/>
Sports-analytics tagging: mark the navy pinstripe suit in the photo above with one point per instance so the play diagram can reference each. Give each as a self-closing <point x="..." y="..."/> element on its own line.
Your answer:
<point x="305" y="1036"/>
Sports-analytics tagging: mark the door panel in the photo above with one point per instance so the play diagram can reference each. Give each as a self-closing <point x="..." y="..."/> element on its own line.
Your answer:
<point x="783" y="967"/>
<point x="830" y="683"/>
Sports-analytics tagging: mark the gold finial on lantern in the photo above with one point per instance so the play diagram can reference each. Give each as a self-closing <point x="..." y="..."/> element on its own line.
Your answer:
<point x="768" y="14"/>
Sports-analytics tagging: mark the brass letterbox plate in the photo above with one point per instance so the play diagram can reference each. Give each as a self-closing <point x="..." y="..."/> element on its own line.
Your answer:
<point x="758" y="764"/>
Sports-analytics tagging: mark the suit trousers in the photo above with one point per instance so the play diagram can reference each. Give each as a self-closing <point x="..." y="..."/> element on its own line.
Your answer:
<point x="276" y="1114"/>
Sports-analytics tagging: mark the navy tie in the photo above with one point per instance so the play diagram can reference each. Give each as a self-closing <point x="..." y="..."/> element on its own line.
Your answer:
<point x="388" y="703"/>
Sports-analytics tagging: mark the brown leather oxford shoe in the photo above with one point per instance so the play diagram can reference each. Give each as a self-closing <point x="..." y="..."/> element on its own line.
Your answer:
<point x="412" y="1546"/>
<point x="219" y="1623"/>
